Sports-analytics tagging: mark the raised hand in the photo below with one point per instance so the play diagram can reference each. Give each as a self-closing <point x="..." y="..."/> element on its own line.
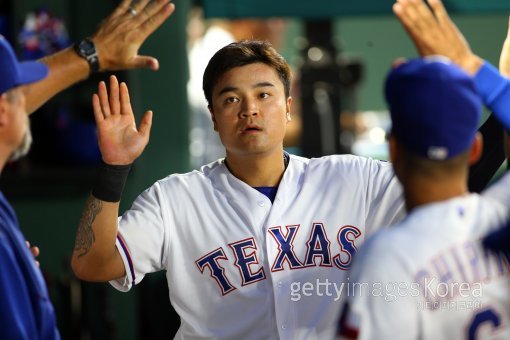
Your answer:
<point x="504" y="58"/>
<point x="120" y="142"/>
<point x="433" y="32"/>
<point x="120" y="36"/>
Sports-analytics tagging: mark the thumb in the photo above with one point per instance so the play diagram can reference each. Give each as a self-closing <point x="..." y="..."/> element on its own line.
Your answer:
<point x="142" y="61"/>
<point x="145" y="124"/>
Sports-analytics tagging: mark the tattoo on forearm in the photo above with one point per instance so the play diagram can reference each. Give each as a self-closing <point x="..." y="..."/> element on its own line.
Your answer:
<point x="85" y="234"/>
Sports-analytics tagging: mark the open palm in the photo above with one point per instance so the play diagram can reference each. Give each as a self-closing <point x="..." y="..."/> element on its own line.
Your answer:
<point x="120" y="142"/>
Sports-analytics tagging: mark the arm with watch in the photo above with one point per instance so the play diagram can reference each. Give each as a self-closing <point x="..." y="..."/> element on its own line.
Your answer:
<point x="114" y="46"/>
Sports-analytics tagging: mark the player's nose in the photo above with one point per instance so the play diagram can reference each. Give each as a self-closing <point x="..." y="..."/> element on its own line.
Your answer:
<point x="249" y="107"/>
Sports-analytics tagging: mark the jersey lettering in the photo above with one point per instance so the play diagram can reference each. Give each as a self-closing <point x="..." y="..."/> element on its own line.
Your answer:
<point x="244" y="260"/>
<point x="488" y="316"/>
<point x="285" y="248"/>
<point x="318" y="246"/>
<point x="211" y="261"/>
<point x="318" y="253"/>
<point x="347" y="236"/>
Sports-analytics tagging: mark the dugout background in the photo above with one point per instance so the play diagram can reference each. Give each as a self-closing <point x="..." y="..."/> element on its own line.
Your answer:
<point x="49" y="212"/>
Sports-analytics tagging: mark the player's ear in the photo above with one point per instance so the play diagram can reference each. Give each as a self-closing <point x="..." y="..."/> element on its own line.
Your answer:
<point x="476" y="149"/>
<point x="215" y="126"/>
<point x="288" y="104"/>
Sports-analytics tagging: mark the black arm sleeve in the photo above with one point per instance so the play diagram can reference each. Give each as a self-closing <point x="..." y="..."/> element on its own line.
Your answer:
<point x="493" y="155"/>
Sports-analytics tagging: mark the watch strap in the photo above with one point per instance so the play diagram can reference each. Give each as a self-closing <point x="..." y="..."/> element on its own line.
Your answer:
<point x="87" y="50"/>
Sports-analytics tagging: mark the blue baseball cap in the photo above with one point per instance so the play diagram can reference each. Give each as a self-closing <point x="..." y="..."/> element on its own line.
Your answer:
<point x="434" y="106"/>
<point x="14" y="73"/>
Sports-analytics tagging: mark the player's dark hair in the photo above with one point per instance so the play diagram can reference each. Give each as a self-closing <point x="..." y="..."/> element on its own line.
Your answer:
<point x="243" y="53"/>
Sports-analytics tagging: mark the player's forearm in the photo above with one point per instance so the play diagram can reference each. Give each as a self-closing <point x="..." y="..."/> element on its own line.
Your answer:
<point x="65" y="69"/>
<point x="495" y="92"/>
<point x="95" y="256"/>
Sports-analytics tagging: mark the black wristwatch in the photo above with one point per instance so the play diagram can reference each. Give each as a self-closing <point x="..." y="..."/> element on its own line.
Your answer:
<point x="87" y="50"/>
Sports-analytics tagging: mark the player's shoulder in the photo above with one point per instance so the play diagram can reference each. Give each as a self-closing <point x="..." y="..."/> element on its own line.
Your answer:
<point x="346" y="160"/>
<point x="188" y="181"/>
<point x="194" y="175"/>
<point x="423" y="225"/>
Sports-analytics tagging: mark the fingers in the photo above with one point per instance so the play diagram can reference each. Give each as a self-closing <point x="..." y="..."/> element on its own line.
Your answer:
<point x="439" y="11"/>
<point x="98" y="113"/>
<point x="119" y="37"/>
<point x="145" y="124"/>
<point x="125" y="102"/>
<point x="103" y="99"/>
<point x="105" y="105"/>
<point x="444" y="20"/>
<point x="142" y="61"/>
<point x="418" y="21"/>
<point x="122" y="8"/>
<point x="139" y="5"/>
<point x="35" y="251"/>
<point x="153" y="16"/>
<point x="114" y="96"/>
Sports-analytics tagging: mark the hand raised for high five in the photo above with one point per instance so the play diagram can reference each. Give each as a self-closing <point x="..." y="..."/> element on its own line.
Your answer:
<point x="433" y="32"/>
<point x="119" y="36"/>
<point x="120" y="142"/>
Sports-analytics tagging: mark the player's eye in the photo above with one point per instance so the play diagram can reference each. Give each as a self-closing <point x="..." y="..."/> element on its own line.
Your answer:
<point x="231" y="100"/>
<point x="264" y="95"/>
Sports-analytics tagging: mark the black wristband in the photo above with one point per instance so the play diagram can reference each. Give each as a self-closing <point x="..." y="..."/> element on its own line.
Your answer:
<point x="110" y="182"/>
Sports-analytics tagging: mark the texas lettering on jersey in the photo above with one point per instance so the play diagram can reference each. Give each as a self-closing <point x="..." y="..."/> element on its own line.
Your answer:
<point x="318" y="253"/>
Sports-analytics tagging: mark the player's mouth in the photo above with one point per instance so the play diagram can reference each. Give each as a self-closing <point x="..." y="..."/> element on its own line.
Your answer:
<point x="251" y="128"/>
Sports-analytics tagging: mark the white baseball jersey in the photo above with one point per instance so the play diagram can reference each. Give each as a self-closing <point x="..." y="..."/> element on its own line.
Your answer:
<point x="429" y="276"/>
<point x="239" y="266"/>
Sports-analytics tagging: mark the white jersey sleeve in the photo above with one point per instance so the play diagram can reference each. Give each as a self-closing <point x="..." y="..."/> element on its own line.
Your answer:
<point x="142" y="236"/>
<point x="384" y="196"/>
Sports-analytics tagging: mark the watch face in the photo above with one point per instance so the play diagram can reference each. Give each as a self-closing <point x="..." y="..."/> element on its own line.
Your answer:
<point x="87" y="47"/>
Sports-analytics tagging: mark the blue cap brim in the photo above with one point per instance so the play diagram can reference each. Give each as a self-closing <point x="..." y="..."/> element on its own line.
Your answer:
<point x="31" y="71"/>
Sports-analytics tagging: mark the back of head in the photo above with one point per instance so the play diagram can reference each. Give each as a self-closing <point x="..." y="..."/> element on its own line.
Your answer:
<point x="434" y="106"/>
<point x="244" y="53"/>
<point x="14" y="73"/>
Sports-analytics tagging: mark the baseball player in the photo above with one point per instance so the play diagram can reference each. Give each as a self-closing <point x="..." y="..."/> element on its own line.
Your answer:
<point x="26" y="310"/>
<point x="429" y="277"/>
<point x="255" y="245"/>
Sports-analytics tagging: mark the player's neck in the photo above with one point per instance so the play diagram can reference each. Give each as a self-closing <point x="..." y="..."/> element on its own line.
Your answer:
<point x="264" y="170"/>
<point x="421" y="191"/>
